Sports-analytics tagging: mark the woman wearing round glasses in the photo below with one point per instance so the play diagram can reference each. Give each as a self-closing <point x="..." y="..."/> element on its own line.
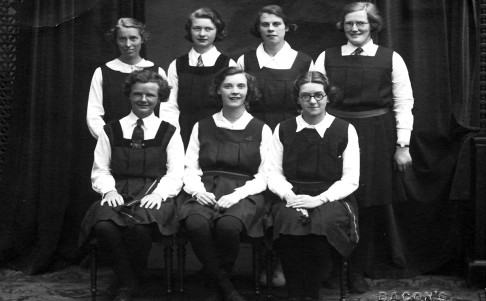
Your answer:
<point x="313" y="168"/>
<point x="378" y="101"/>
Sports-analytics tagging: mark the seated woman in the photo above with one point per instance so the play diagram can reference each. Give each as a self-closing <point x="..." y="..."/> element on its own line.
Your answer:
<point x="139" y="157"/>
<point x="224" y="180"/>
<point x="313" y="167"/>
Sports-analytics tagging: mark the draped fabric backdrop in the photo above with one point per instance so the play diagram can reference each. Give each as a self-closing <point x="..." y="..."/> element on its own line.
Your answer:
<point x="46" y="184"/>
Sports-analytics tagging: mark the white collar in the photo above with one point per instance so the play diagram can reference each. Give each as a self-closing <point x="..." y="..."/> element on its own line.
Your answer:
<point x="239" y="124"/>
<point x="283" y="56"/>
<point x="132" y="119"/>
<point x="321" y="127"/>
<point x="118" y="65"/>
<point x="369" y="49"/>
<point x="208" y="58"/>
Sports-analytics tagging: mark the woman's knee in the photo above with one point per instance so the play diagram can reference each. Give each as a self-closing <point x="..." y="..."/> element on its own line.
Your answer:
<point x="196" y="223"/>
<point x="229" y="225"/>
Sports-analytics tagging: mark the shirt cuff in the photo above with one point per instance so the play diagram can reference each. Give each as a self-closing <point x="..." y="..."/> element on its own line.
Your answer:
<point x="403" y="136"/>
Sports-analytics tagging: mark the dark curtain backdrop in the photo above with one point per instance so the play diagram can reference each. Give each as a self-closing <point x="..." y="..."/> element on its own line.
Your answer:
<point x="46" y="186"/>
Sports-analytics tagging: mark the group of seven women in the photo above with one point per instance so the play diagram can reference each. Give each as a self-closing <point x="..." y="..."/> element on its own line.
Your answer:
<point x="351" y="109"/>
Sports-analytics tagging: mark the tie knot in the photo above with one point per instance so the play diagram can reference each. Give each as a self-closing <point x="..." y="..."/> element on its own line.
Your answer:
<point x="358" y="51"/>
<point x="199" y="61"/>
<point x="139" y="122"/>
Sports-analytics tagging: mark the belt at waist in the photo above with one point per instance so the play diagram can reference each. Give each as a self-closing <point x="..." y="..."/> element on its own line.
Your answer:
<point x="361" y="114"/>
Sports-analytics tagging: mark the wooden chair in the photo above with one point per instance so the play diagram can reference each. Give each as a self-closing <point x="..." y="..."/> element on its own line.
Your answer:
<point x="166" y="241"/>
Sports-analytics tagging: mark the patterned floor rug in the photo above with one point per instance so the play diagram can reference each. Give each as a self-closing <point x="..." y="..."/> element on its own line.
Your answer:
<point x="72" y="283"/>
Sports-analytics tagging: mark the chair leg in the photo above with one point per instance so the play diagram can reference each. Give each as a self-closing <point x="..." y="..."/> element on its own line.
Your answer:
<point x="93" y="272"/>
<point x="269" y="271"/>
<point x="256" y="266"/>
<point x="181" y="257"/>
<point x="343" y="279"/>
<point x="168" y="267"/>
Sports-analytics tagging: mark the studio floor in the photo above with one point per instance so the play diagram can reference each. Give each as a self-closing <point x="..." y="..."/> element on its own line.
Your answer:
<point x="73" y="283"/>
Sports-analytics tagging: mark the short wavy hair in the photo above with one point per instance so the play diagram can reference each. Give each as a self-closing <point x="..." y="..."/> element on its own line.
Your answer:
<point x="147" y="76"/>
<point x="273" y="10"/>
<point x="316" y="77"/>
<point x="111" y="35"/>
<point x="252" y="95"/>
<point x="376" y="21"/>
<point x="206" y="13"/>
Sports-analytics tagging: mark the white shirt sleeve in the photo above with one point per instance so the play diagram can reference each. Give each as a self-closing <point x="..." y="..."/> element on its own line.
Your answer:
<point x="259" y="183"/>
<point x="169" y="110"/>
<point x="101" y="179"/>
<point x="402" y="99"/>
<point x="193" y="171"/>
<point x="349" y="181"/>
<point x="95" y="111"/>
<point x="171" y="183"/>
<point x="277" y="183"/>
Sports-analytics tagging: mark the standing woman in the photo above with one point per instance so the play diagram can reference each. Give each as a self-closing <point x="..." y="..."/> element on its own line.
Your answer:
<point x="106" y="101"/>
<point x="313" y="168"/>
<point x="275" y="65"/>
<point x="139" y="157"/>
<point x="224" y="180"/>
<point x="191" y="75"/>
<point x="378" y="101"/>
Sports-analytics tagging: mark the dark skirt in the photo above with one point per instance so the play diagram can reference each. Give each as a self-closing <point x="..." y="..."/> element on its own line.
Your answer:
<point x="165" y="218"/>
<point x="337" y="220"/>
<point x="377" y="137"/>
<point x="250" y="210"/>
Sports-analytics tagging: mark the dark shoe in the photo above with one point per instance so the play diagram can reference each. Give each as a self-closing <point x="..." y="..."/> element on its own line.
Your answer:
<point x="124" y="294"/>
<point x="357" y="284"/>
<point x="235" y="296"/>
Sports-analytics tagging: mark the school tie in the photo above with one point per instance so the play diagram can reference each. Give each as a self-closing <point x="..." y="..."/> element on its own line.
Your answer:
<point x="137" y="136"/>
<point x="199" y="61"/>
<point x="358" y="51"/>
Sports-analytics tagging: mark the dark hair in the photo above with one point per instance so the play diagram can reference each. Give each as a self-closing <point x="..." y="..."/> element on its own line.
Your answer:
<point x="316" y="77"/>
<point x="376" y="21"/>
<point x="128" y="23"/>
<point x="206" y="13"/>
<point x="252" y="95"/>
<point x="273" y="10"/>
<point x="147" y="76"/>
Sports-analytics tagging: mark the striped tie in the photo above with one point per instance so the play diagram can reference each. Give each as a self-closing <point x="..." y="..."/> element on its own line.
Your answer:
<point x="358" y="51"/>
<point x="199" y="61"/>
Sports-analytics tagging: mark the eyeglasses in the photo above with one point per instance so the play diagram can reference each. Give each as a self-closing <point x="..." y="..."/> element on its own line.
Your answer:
<point x="359" y="24"/>
<point x="307" y="97"/>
